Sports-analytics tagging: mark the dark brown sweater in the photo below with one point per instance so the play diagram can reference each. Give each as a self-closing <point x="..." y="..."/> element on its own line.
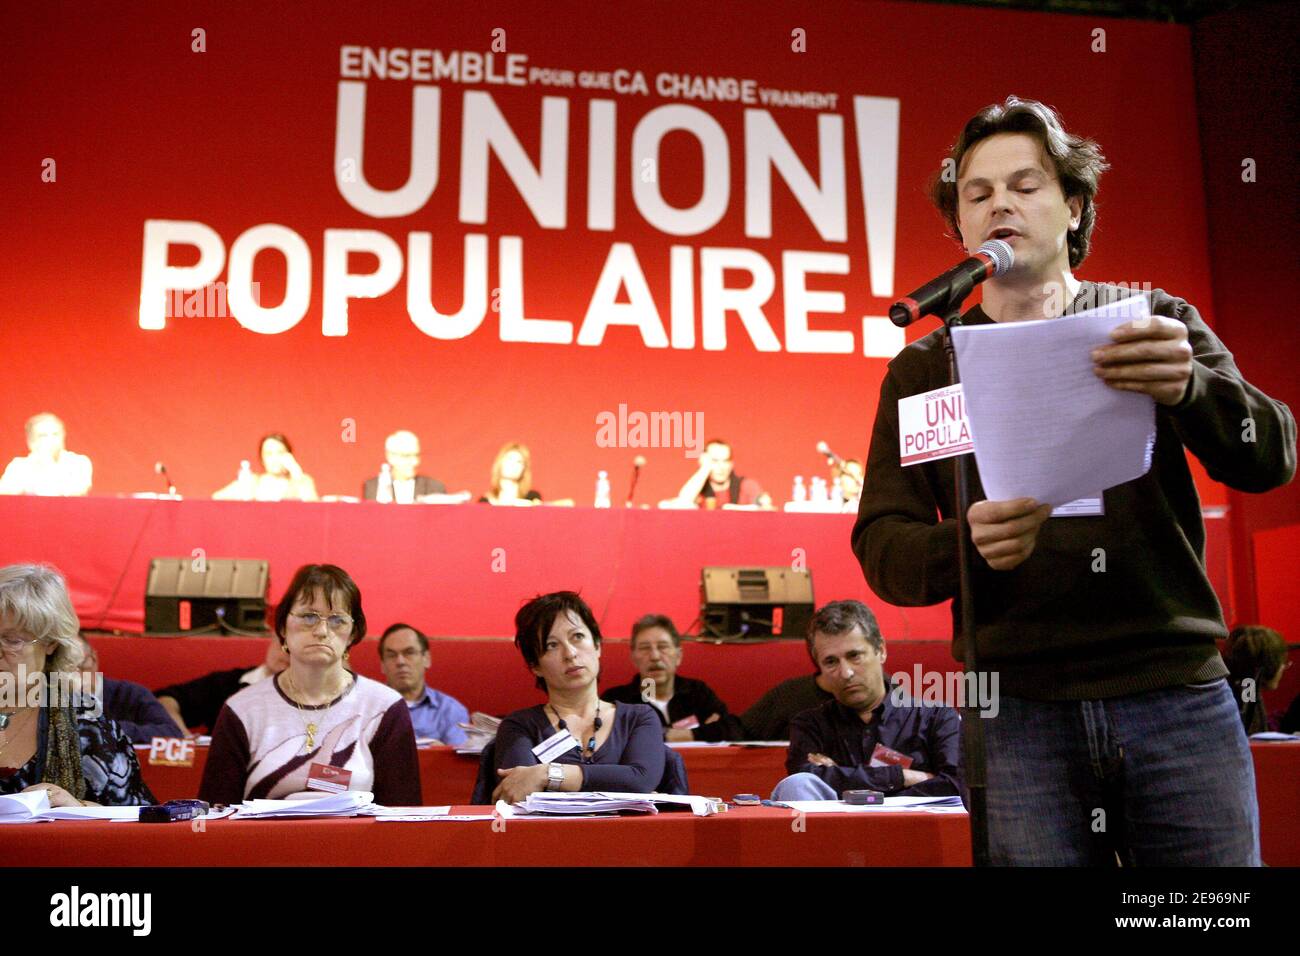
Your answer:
<point x="1055" y="628"/>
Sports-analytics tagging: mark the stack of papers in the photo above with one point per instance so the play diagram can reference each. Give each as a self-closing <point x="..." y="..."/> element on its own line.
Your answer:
<point x="348" y="803"/>
<point x="34" y="807"/>
<point x="420" y="815"/>
<point x="945" y="804"/>
<point x="594" y="803"/>
<point x="479" y="732"/>
<point x="1045" y="426"/>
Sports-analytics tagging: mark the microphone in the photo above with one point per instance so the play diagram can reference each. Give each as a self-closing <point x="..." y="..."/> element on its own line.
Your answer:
<point x="991" y="259"/>
<point x="637" y="464"/>
<point x="831" y="457"/>
<point x="160" y="469"/>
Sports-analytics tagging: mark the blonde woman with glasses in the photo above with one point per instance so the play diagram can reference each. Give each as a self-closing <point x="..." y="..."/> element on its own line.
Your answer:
<point x="51" y="738"/>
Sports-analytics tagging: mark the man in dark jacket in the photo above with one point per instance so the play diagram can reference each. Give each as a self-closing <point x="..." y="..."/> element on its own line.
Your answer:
<point x="197" y="702"/>
<point x="689" y="709"/>
<point x="1116" y="732"/>
<point x="871" y="736"/>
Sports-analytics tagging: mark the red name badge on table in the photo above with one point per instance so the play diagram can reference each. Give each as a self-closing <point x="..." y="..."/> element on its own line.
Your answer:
<point x="883" y="756"/>
<point x="331" y="779"/>
<point x="171" y="752"/>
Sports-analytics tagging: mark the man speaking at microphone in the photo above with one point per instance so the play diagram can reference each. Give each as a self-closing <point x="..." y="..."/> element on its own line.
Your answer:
<point x="1116" y="733"/>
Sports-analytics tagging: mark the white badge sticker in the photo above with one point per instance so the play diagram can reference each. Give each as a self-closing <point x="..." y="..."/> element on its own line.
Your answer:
<point x="560" y="743"/>
<point x="1080" y="507"/>
<point x="933" y="425"/>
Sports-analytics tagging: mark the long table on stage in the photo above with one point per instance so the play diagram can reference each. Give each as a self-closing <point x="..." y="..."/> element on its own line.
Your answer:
<point x="450" y="570"/>
<point x="459" y="569"/>
<point x="723" y="771"/>
<point x="743" y="836"/>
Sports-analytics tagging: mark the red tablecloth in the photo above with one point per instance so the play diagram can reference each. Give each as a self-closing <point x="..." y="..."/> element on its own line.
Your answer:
<point x="1277" y="785"/>
<point x="447" y="778"/>
<point x="458" y="570"/>
<point x="748" y="836"/>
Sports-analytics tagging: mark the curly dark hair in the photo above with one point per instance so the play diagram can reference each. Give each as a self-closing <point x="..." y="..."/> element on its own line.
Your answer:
<point x="1078" y="162"/>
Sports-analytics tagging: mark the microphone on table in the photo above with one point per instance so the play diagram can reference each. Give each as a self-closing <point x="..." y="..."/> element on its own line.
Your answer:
<point x="831" y="457"/>
<point x="637" y="464"/>
<point x="991" y="259"/>
<point x="160" y="469"/>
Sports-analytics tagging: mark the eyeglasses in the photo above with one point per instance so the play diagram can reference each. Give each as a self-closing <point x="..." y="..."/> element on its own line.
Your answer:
<point x="14" y="644"/>
<point x="338" y="623"/>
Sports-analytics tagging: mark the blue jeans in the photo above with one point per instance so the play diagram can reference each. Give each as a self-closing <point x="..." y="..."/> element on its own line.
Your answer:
<point x="804" y="786"/>
<point x="1163" y="778"/>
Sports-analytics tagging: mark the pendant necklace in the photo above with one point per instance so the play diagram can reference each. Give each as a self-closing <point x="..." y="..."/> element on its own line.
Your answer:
<point x="310" y="726"/>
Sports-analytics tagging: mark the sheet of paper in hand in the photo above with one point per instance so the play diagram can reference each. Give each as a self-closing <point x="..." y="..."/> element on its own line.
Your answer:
<point x="1045" y="426"/>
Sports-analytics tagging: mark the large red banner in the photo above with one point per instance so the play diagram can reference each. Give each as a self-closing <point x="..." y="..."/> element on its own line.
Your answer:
<point x="598" y="229"/>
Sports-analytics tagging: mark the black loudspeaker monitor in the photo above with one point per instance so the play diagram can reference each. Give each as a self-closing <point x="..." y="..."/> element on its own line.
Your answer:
<point x="741" y="603"/>
<point x="208" y="594"/>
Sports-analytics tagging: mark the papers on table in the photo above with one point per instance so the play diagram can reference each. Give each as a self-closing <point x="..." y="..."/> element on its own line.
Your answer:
<point x="347" y="803"/>
<point x="1274" y="735"/>
<point x="593" y="803"/>
<point x="419" y="815"/>
<point x="447" y="818"/>
<point x="946" y="804"/>
<point x="377" y="810"/>
<point x="24" y="807"/>
<point x="479" y="732"/>
<point x="34" y="807"/>
<point x="1045" y="426"/>
<point x="695" y="744"/>
<point x="689" y="744"/>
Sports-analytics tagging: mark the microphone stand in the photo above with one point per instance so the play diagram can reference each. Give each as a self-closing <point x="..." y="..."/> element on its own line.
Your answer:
<point x="973" y="758"/>
<point x="631" y="491"/>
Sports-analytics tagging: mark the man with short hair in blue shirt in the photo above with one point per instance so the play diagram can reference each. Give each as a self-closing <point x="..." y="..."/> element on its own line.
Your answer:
<point x="404" y="658"/>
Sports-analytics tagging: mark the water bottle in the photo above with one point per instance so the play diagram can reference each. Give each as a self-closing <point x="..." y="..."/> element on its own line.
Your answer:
<point x="837" y="495"/>
<point x="800" y="493"/>
<point x="602" y="489"/>
<point x="819" y="494"/>
<point x="246" y="482"/>
<point x="384" y="494"/>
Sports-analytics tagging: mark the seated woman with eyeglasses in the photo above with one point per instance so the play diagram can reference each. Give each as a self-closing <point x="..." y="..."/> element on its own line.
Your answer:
<point x="272" y="738"/>
<point x="55" y="739"/>
<point x="575" y="741"/>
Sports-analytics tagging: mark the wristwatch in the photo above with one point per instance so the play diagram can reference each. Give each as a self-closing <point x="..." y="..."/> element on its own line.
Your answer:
<point x="554" y="776"/>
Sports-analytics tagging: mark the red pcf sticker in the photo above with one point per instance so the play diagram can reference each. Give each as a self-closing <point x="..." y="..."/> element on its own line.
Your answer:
<point x="323" y="776"/>
<point x="883" y="756"/>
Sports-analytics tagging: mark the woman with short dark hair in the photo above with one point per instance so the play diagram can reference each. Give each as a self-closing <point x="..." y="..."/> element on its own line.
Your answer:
<point x="575" y="741"/>
<point x="271" y="737"/>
